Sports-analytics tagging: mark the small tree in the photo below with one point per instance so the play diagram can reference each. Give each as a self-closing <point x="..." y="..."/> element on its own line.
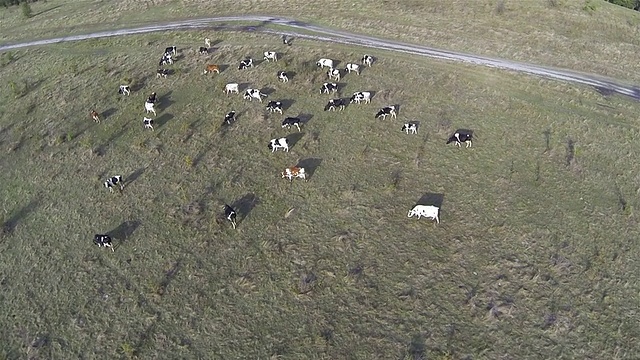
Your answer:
<point x="26" y="10"/>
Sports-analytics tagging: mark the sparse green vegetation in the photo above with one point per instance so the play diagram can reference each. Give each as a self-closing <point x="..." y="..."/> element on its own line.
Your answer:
<point x="535" y="255"/>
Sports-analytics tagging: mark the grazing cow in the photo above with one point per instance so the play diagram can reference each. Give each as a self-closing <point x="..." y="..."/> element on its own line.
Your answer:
<point x="287" y="41"/>
<point x="353" y="67"/>
<point x="231" y="116"/>
<point x="103" y="241"/>
<point x="166" y="59"/>
<point x="360" y="96"/>
<point x="413" y="127"/>
<point x="148" y="107"/>
<point x="274" y="106"/>
<point x="153" y="98"/>
<point x="461" y="136"/>
<point x="367" y="60"/>
<point x="171" y="50"/>
<point x="325" y="62"/>
<point x="94" y="115"/>
<point x="124" y="90"/>
<point x="335" y="103"/>
<point x="211" y="68"/>
<point x="428" y="211"/>
<point x="203" y="50"/>
<point x="294" y="172"/>
<point x="113" y="181"/>
<point x="328" y="88"/>
<point x="162" y="73"/>
<point x="230" y="214"/>
<point x="246" y="63"/>
<point x="387" y="110"/>
<point x="270" y="55"/>
<point x="148" y="123"/>
<point x="283" y="76"/>
<point x="291" y="121"/>
<point x="253" y="94"/>
<point x="232" y="87"/>
<point x="207" y="42"/>
<point x="333" y="74"/>
<point x="275" y="144"/>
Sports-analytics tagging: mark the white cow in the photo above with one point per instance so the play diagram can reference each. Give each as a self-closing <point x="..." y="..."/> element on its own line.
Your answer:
<point x="274" y="144"/>
<point x="124" y="90"/>
<point x="148" y="106"/>
<point x="428" y="211"/>
<point x="254" y="94"/>
<point x="270" y="55"/>
<point x="353" y="67"/>
<point x="207" y="42"/>
<point x="325" y="62"/>
<point x="413" y="127"/>
<point x="231" y="88"/>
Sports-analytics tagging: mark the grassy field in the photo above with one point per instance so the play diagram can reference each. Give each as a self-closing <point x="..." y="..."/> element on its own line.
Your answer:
<point x="590" y="36"/>
<point x="536" y="255"/>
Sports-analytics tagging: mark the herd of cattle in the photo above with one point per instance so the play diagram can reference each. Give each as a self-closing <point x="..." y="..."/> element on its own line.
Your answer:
<point x="429" y="211"/>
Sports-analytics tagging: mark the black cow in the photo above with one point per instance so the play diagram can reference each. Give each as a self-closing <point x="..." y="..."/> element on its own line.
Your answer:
<point x="246" y="63"/>
<point x="387" y="110"/>
<point x="274" y="106"/>
<point x="335" y="103"/>
<point x="203" y="50"/>
<point x="291" y="121"/>
<point x="461" y="136"/>
<point x="230" y="214"/>
<point x="231" y="116"/>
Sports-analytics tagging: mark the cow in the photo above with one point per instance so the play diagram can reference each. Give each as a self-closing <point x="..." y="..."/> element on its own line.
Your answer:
<point x="291" y="121"/>
<point x="325" y="62"/>
<point x="166" y="59"/>
<point x="162" y="73"/>
<point x="230" y="214"/>
<point x="294" y="172"/>
<point x="328" y="88"/>
<point x="113" y="181"/>
<point x="94" y="115"/>
<point x="335" y="103"/>
<point x="428" y="211"/>
<point x="148" y="123"/>
<point x="124" y="90"/>
<point x="270" y="55"/>
<point x="353" y="67"/>
<point x="230" y="117"/>
<point x="153" y="98"/>
<point x="232" y="87"/>
<point x="274" y="106"/>
<point x="148" y="107"/>
<point x="461" y="136"/>
<point x="203" y="50"/>
<point x="413" y="127"/>
<point x="387" y="110"/>
<point x="212" y="68"/>
<point x="360" y="96"/>
<point x="253" y="94"/>
<point x="171" y="50"/>
<point x="367" y="60"/>
<point x="103" y="241"/>
<point x="246" y="63"/>
<point x="283" y="76"/>
<point x="333" y="74"/>
<point x="207" y="42"/>
<point x="275" y="144"/>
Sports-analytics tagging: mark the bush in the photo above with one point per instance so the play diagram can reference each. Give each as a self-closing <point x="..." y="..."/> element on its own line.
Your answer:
<point x="26" y="10"/>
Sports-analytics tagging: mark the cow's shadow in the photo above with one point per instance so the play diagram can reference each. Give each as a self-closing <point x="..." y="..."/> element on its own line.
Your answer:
<point x="245" y="205"/>
<point x="242" y="87"/>
<point x="267" y="90"/>
<point x="434" y="199"/>
<point x="135" y="175"/>
<point x="164" y="101"/>
<point x="223" y="67"/>
<point x="293" y="139"/>
<point x="310" y="165"/>
<point x="124" y="230"/>
<point x="163" y="119"/>
<point x="286" y="104"/>
<point x="290" y="74"/>
<point x="107" y="113"/>
<point x="305" y="118"/>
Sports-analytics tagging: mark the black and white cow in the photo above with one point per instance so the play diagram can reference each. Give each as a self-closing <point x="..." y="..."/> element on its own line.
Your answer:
<point x="251" y="94"/>
<point x="360" y="96"/>
<point x="113" y="181"/>
<point x="413" y="127"/>
<point x="245" y="64"/>
<point x="203" y="50"/>
<point x="387" y="110"/>
<point x="291" y="121"/>
<point x="282" y="76"/>
<point x="333" y="74"/>
<point x="148" y="123"/>
<point x="230" y="214"/>
<point x="124" y="90"/>
<point x="353" y="67"/>
<point x="367" y="60"/>
<point x="162" y="73"/>
<point x="153" y="98"/>
<point x="103" y="241"/>
<point x="274" y="106"/>
<point x="328" y="88"/>
<point x="287" y="40"/>
<point x="270" y="55"/>
<point x="229" y="118"/>
<point x="461" y="136"/>
<point x="335" y="103"/>
<point x="166" y="59"/>
<point x="171" y="50"/>
<point x="275" y="144"/>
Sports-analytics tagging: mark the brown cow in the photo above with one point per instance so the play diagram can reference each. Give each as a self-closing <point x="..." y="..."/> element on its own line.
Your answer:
<point x="212" y="68"/>
<point x="94" y="115"/>
<point x="294" y="172"/>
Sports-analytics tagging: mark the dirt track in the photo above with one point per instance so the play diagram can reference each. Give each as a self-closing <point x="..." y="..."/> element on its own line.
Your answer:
<point x="601" y="84"/>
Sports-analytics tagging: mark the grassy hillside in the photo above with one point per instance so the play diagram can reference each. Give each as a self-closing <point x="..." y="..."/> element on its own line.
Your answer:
<point x="536" y="255"/>
<point x="591" y="36"/>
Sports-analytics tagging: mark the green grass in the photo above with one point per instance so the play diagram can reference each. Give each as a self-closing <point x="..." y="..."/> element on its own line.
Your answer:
<point x="534" y="257"/>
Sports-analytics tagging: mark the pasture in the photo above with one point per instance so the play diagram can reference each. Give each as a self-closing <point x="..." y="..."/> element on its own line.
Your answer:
<point x="535" y="256"/>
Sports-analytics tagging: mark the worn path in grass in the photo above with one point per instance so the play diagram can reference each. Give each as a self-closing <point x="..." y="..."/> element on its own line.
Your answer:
<point x="601" y="84"/>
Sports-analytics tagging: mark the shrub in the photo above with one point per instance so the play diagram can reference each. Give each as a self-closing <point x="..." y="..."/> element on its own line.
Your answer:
<point x="26" y="10"/>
